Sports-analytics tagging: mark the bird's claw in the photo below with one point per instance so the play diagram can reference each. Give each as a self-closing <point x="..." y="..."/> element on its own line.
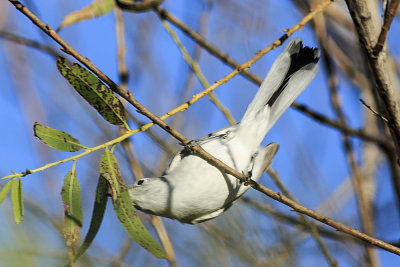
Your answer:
<point x="188" y="148"/>
<point x="246" y="178"/>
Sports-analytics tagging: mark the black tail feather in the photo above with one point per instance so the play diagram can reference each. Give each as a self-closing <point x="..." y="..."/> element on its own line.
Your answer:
<point x="300" y="56"/>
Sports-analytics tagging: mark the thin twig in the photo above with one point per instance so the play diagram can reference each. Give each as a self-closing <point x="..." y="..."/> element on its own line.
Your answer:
<point x="374" y="111"/>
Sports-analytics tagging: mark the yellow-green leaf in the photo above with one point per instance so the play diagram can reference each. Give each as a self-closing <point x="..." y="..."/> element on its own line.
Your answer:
<point x="93" y="91"/>
<point x="56" y="139"/>
<point x="96" y="9"/>
<point x="71" y="197"/>
<point x="123" y="206"/>
<point x="5" y="190"/>
<point x="17" y="201"/>
<point x="97" y="216"/>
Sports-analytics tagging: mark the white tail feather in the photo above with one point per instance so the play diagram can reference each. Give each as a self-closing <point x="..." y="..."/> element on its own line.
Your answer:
<point x="290" y="74"/>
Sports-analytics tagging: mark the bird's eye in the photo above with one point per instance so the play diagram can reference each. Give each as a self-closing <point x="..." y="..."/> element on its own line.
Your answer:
<point x="140" y="182"/>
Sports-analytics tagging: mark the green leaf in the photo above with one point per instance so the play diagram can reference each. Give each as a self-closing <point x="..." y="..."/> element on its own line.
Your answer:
<point x="5" y="190"/>
<point x="123" y="206"/>
<point x="71" y="197"/>
<point x="56" y="139"/>
<point x="94" y="92"/>
<point x="16" y="200"/>
<point x="97" y="216"/>
<point x="96" y="9"/>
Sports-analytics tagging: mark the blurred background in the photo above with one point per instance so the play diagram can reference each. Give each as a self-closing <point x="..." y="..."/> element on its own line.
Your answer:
<point x="317" y="161"/>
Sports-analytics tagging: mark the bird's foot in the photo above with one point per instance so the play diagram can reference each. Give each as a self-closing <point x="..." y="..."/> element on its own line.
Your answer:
<point x="246" y="179"/>
<point x="188" y="148"/>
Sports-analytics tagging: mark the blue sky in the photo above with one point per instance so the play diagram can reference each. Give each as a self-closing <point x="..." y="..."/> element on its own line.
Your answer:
<point x="311" y="161"/>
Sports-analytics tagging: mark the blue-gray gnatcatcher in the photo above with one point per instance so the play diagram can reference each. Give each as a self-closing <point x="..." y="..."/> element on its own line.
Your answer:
<point x="192" y="190"/>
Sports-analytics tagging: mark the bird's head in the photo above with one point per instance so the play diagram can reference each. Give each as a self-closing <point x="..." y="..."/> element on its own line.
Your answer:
<point x="151" y="195"/>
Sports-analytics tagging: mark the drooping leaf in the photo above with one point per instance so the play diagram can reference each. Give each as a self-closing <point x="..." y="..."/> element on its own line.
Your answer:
<point x="16" y="200"/>
<point x="93" y="91"/>
<point x="56" y="139"/>
<point x="123" y="206"/>
<point x="5" y="190"/>
<point x="71" y="197"/>
<point x="96" y="9"/>
<point x="97" y="216"/>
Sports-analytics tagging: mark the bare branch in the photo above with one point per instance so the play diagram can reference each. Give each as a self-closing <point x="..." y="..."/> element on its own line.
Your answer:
<point x="362" y="20"/>
<point x="389" y="15"/>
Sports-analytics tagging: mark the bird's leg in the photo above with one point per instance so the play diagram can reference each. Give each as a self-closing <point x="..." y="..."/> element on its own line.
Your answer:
<point x="247" y="176"/>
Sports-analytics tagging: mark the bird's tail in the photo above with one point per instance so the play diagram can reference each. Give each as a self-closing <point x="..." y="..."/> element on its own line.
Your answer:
<point x="289" y="75"/>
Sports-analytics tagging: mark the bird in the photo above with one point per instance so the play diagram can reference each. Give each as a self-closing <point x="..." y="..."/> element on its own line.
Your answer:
<point x="191" y="190"/>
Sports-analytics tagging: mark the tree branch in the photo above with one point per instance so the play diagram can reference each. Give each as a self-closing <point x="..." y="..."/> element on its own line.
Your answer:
<point x="362" y="20"/>
<point x="394" y="4"/>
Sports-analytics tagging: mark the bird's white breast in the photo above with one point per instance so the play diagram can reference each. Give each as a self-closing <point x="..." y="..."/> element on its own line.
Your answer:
<point x="207" y="189"/>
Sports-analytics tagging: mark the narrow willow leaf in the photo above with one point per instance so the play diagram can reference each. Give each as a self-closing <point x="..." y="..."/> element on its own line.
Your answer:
<point x="94" y="92"/>
<point x="56" y="139"/>
<point x="71" y="197"/>
<point x="97" y="216"/>
<point x="5" y="190"/>
<point x="97" y="8"/>
<point x="17" y="201"/>
<point x="123" y="206"/>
